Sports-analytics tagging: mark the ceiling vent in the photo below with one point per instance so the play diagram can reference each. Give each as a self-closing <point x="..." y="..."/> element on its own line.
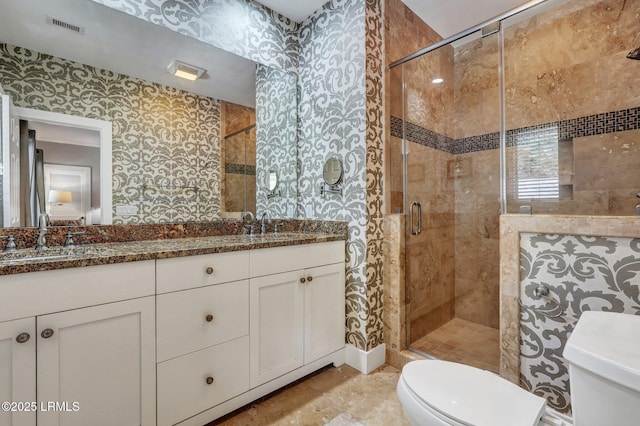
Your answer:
<point x="65" y="25"/>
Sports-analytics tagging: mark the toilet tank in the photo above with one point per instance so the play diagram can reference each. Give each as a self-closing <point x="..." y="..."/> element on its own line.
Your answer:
<point x="604" y="369"/>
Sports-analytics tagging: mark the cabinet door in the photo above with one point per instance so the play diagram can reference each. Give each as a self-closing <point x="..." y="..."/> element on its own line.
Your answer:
<point x="324" y="306"/>
<point x="98" y="365"/>
<point x="275" y="325"/>
<point x="18" y="370"/>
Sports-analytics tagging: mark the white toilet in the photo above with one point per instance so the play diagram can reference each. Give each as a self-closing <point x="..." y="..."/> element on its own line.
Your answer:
<point x="604" y="369"/>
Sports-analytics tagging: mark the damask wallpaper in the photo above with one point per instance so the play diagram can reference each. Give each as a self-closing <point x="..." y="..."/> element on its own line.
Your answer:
<point x="332" y="122"/>
<point x="164" y="138"/>
<point x="276" y="119"/>
<point x="242" y="27"/>
<point x="583" y="273"/>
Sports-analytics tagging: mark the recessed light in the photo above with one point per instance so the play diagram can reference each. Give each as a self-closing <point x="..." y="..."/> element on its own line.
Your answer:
<point x="437" y="80"/>
<point x="186" y="71"/>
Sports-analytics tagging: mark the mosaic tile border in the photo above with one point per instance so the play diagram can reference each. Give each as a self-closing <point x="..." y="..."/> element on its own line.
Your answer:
<point x="590" y="125"/>
<point x="239" y="169"/>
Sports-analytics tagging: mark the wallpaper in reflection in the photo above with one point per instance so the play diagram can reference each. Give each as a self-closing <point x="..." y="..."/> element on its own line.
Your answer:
<point x="276" y="121"/>
<point x="165" y="138"/>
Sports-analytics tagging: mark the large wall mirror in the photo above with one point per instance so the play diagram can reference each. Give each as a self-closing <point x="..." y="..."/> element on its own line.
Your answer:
<point x="172" y="156"/>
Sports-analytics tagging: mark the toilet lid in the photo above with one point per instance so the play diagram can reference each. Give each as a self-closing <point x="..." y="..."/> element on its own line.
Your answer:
<point x="472" y="396"/>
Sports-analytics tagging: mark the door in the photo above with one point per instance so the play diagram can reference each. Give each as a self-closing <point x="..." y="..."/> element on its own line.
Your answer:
<point x="275" y="325"/>
<point x="96" y="365"/>
<point x="324" y="306"/>
<point x="18" y="372"/>
<point x="10" y="137"/>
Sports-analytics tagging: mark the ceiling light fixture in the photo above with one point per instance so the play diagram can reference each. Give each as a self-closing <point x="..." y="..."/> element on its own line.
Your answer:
<point x="186" y="71"/>
<point x="437" y="80"/>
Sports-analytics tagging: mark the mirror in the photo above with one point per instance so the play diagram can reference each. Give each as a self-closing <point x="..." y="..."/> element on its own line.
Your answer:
<point x="168" y="134"/>
<point x="332" y="171"/>
<point x="332" y="174"/>
<point x="272" y="180"/>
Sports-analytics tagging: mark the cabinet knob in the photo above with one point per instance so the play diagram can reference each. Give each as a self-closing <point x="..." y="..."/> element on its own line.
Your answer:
<point x="23" y="338"/>
<point x="209" y="380"/>
<point x="209" y="318"/>
<point x="303" y="280"/>
<point x="209" y="270"/>
<point x="46" y="333"/>
<point x="309" y="279"/>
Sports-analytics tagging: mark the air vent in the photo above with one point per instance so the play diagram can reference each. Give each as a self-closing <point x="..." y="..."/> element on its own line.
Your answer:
<point x="65" y="25"/>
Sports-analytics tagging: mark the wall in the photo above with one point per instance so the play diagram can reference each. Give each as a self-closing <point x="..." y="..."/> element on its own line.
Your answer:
<point x="567" y="68"/>
<point x="161" y="135"/>
<point x="340" y="75"/>
<point x="588" y="262"/>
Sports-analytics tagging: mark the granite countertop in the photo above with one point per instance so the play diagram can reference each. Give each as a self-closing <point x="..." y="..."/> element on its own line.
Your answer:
<point x="119" y="252"/>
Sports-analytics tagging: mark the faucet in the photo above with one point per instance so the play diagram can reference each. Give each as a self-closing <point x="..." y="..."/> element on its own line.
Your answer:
<point x="41" y="243"/>
<point x="263" y="227"/>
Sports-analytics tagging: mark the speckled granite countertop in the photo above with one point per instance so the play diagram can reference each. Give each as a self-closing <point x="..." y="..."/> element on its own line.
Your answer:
<point x="119" y="252"/>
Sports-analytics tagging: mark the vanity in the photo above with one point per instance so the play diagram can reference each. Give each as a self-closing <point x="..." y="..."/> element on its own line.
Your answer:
<point x="165" y="332"/>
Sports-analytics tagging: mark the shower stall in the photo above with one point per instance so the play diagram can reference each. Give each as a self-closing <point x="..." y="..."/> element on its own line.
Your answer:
<point x="535" y="112"/>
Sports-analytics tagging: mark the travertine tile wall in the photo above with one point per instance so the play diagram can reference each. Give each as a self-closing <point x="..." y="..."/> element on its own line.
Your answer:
<point x="567" y="63"/>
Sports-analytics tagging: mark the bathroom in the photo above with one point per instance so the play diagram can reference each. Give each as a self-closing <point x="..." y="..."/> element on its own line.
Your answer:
<point x="348" y="102"/>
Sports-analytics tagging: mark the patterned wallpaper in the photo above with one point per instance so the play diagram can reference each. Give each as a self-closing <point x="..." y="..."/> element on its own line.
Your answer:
<point x="165" y="138"/>
<point x="332" y="122"/>
<point x="242" y="27"/>
<point x="583" y="273"/>
<point x="276" y="120"/>
<point x="375" y="143"/>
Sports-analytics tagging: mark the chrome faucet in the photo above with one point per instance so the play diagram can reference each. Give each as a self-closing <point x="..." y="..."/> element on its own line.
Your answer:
<point x="263" y="227"/>
<point x="41" y="243"/>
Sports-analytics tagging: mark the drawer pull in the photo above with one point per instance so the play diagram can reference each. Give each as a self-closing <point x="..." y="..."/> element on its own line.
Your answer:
<point x="303" y="280"/>
<point x="209" y="380"/>
<point x="209" y="270"/>
<point x="209" y="318"/>
<point x="46" y="333"/>
<point x="309" y="279"/>
<point x="23" y="338"/>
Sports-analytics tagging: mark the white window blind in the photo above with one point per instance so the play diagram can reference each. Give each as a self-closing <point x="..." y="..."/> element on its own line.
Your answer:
<point x="536" y="165"/>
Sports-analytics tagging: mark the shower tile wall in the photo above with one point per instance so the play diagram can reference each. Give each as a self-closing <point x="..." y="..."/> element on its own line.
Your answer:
<point x="569" y="63"/>
<point x="239" y="154"/>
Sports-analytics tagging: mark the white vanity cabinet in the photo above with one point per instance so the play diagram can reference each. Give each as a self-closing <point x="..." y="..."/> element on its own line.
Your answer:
<point x="203" y="333"/>
<point x="17" y="369"/>
<point x="297" y="316"/>
<point x="91" y="347"/>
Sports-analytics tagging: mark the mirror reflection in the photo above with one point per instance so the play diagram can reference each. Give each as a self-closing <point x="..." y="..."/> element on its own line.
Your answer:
<point x="272" y="180"/>
<point x="169" y="136"/>
<point x="332" y="171"/>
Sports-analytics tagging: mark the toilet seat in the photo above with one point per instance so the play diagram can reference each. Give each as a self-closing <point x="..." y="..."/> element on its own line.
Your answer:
<point x="464" y="395"/>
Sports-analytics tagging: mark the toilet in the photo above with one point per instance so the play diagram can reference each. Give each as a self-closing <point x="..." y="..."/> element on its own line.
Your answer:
<point x="603" y="353"/>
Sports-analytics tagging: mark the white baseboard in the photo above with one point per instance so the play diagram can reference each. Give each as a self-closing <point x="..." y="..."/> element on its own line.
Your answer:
<point x="365" y="362"/>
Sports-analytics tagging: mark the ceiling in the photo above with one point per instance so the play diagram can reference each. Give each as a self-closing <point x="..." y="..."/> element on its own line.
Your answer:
<point x="118" y="42"/>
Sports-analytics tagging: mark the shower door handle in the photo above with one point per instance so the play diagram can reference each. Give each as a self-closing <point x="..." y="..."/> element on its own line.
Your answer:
<point x="419" y="210"/>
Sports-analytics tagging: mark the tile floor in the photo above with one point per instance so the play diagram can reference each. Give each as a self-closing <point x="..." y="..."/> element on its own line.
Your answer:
<point x="465" y="342"/>
<point x="334" y="396"/>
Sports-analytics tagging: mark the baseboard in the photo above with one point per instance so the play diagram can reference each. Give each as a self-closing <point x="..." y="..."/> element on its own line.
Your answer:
<point x="365" y="362"/>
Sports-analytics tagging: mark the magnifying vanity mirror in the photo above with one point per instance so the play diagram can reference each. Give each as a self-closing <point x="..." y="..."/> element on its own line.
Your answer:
<point x="332" y="175"/>
<point x="272" y="184"/>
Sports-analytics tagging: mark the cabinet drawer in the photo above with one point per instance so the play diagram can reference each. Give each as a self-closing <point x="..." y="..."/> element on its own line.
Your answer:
<point x="181" y="273"/>
<point x="183" y="390"/>
<point x="191" y="320"/>
<point x="37" y="293"/>
<point x="290" y="258"/>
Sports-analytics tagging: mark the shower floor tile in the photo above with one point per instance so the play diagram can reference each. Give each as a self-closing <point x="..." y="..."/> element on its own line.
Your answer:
<point x="464" y="342"/>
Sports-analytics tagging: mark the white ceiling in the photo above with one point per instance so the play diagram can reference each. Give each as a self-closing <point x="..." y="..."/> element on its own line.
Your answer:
<point x="118" y="42"/>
